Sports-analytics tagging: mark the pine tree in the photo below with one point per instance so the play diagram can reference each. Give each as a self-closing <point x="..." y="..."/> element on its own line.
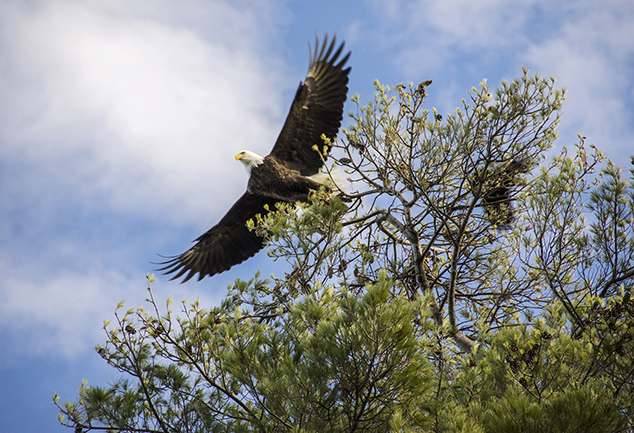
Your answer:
<point x="462" y="284"/>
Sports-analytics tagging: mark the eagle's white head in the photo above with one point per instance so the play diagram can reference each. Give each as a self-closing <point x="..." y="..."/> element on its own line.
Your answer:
<point x="249" y="159"/>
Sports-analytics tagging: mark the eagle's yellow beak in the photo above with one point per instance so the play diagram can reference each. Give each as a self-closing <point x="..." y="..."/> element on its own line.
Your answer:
<point x="239" y="156"/>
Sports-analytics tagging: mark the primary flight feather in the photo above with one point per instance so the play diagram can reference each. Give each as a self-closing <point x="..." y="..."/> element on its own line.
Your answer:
<point x="282" y="176"/>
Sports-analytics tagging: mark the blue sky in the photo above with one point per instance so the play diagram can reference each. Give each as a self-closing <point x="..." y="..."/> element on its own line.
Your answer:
<point x="119" y="121"/>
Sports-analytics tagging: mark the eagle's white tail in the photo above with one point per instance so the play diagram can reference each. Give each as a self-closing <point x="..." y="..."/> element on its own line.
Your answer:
<point x="335" y="175"/>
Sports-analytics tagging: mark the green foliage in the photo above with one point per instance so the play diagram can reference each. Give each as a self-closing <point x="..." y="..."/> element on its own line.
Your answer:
<point x="413" y="303"/>
<point x="539" y="378"/>
<point x="332" y="362"/>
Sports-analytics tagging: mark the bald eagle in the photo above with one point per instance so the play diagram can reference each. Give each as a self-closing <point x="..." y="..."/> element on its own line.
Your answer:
<point x="288" y="174"/>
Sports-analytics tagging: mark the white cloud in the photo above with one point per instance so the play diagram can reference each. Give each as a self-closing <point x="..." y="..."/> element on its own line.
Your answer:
<point x="588" y="46"/>
<point x="145" y="113"/>
<point x="429" y="34"/>
<point x="119" y="109"/>
<point x="592" y="57"/>
<point x="62" y="314"/>
<point x="468" y="24"/>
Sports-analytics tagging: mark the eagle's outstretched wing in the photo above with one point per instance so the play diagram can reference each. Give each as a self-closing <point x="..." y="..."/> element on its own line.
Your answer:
<point x="226" y="244"/>
<point x="317" y="109"/>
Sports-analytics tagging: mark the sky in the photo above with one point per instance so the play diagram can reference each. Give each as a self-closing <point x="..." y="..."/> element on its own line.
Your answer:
<point x="119" y="121"/>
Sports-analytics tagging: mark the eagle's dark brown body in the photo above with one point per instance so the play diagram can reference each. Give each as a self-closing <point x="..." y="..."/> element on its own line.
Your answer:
<point x="275" y="180"/>
<point x="282" y="176"/>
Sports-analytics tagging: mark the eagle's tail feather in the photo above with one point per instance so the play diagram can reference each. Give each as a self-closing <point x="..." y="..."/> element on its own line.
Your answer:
<point x="334" y="176"/>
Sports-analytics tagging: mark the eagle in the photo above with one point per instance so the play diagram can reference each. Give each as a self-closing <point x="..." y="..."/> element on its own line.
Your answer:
<point x="289" y="174"/>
